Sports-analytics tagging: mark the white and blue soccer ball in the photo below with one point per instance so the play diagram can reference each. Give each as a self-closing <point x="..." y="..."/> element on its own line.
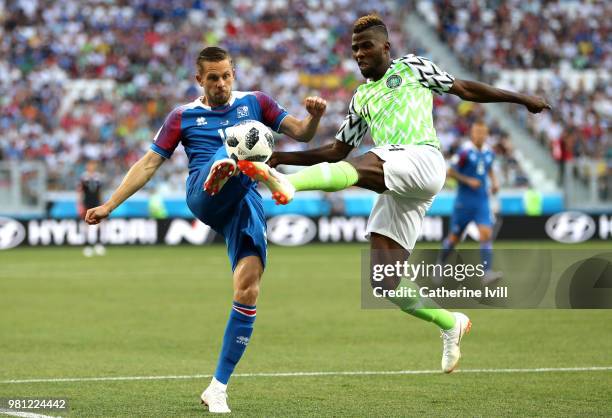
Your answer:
<point x="249" y="140"/>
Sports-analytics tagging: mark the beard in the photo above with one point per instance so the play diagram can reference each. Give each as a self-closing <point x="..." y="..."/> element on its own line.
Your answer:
<point x="373" y="68"/>
<point x="367" y="72"/>
<point x="219" y="99"/>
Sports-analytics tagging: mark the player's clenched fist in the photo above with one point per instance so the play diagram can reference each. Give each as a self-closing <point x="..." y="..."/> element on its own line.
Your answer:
<point x="315" y="106"/>
<point x="536" y="104"/>
<point x="95" y="215"/>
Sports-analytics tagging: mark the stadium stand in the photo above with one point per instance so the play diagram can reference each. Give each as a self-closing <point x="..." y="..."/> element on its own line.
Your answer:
<point x="94" y="79"/>
<point x="558" y="49"/>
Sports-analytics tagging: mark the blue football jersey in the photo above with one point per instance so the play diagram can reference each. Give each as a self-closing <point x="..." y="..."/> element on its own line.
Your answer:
<point x="472" y="162"/>
<point x="201" y="129"/>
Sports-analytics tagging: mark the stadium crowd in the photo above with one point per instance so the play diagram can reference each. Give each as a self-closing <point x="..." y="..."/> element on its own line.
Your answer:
<point x="562" y="36"/>
<point x="491" y="36"/>
<point x="289" y="49"/>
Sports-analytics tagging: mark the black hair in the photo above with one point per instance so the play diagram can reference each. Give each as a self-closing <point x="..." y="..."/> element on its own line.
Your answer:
<point x="371" y="21"/>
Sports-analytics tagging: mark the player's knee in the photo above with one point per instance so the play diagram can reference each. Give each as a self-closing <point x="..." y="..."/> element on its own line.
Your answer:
<point x="485" y="234"/>
<point x="247" y="294"/>
<point x="246" y="288"/>
<point x="381" y="276"/>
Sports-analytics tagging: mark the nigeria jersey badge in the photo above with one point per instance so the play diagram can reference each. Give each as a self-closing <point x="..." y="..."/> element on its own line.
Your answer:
<point x="394" y="81"/>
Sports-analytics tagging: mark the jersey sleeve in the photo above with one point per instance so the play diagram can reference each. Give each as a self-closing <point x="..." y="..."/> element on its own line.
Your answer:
<point x="459" y="159"/>
<point x="169" y="135"/>
<point x="272" y="113"/>
<point x="353" y="128"/>
<point x="429" y="74"/>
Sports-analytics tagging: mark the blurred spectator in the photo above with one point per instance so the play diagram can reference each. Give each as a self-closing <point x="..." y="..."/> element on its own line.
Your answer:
<point x="577" y="128"/>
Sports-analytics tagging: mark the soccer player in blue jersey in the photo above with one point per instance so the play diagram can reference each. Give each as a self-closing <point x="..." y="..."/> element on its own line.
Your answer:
<point x="217" y="193"/>
<point x="472" y="167"/>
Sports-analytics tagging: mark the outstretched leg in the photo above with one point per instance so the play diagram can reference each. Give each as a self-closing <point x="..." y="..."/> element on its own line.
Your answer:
<point x="365" y="171"/>
<point x="220" y="172"/>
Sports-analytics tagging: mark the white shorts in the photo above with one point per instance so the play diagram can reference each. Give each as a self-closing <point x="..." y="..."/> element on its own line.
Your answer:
<point x="414" y="174"/>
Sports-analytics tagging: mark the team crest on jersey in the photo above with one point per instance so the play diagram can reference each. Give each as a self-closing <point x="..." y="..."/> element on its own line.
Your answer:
<point x="243" y="111"/>
<point x="201" y="121"/>
<point x="394" y="81"/>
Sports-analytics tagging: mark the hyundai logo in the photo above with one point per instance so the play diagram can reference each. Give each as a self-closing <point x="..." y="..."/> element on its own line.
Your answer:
<point x="291" y="230"/>
<point x="12" y="233"/>
<point x="570" y="227"/>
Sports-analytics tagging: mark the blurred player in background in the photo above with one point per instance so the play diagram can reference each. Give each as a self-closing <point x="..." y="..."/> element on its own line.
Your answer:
<point x="406" y="167"/>
<point x="228" y="203"/>
<point x="472" y="167"/>
<point x="89" y="195"/>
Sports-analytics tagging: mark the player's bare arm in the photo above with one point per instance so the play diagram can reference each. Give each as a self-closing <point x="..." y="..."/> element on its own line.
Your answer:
<point x="494" y="182"/>
<point x="135" y="179"/>
<point x="475" y="91"/>
<point x="305" y="129"/>
<point x="331" y="153"/>
<point x="80" y="206"/>
<point x="474" y="183"/>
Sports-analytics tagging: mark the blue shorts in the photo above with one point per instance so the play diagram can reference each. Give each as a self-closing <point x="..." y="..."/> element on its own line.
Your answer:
<point x="461" y="217"/>
<point x="236" y="212"/>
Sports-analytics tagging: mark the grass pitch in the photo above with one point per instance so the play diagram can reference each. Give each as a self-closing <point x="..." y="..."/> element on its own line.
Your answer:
<point x="159" y="311"/>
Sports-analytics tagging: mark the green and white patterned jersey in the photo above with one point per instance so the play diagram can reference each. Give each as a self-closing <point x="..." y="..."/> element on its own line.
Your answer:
<point x="398" y="107"/>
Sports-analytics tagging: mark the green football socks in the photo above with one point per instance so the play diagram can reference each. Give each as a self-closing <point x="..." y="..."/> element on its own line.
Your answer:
<point x="329" y="177"/>
<point x="414" y="306"/>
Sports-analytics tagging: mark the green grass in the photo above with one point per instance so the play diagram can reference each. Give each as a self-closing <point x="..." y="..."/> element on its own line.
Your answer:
<point x="156" y="311"/>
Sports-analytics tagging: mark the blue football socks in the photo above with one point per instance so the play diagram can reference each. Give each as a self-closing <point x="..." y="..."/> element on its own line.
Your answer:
<point x="447" y="247"/>
<point x="237" y="335"/>
<point x="486" y="254"/>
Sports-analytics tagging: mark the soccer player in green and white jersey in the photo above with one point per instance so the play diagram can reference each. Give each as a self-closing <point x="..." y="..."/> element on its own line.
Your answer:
<point x="405" y="167"/>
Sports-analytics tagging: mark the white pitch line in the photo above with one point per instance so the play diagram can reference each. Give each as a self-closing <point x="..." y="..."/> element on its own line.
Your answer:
<point x="309" y="374"/>
<point x="13" y="413"/>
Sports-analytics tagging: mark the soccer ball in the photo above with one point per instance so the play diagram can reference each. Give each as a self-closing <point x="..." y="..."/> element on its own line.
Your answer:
<point x="249" y="140"/>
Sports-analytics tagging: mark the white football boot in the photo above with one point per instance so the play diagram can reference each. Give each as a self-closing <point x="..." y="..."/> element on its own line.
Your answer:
<point x="218" y="175"/>
<point x="215" y="397"/>
<point x="491" y="277"/>
<point x="280" y="186"/>
<point x="88" y="251"/>
<point x="99" y="249"/>
<point x="451" y="340"/>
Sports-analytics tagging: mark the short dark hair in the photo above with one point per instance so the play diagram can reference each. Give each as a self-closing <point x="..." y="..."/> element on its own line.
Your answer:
<point x="212" y="54"/>
<point x="371" y="21"/>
